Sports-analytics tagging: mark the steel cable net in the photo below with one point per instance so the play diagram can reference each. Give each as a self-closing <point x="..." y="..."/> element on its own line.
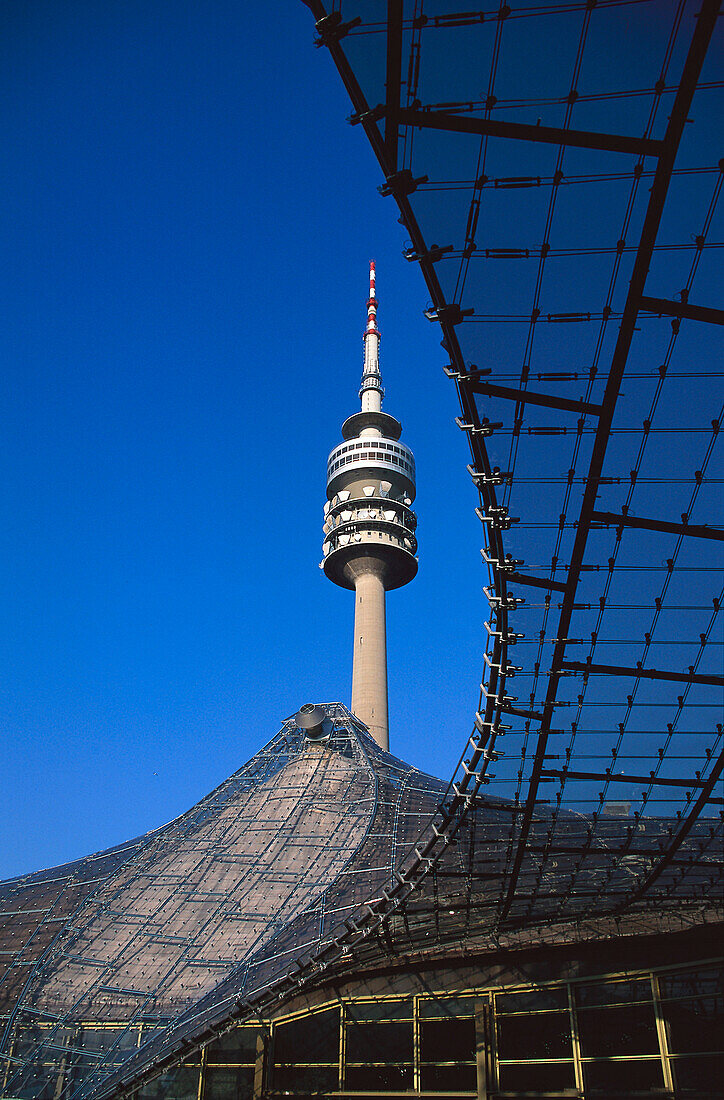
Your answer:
<point x="562" y="197"/>
<point x="122" y="963"/>
<point x="564" y="208"/>
<point x="112" y="958"/>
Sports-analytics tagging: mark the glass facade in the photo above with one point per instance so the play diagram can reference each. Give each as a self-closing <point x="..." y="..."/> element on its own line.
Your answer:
<point x="659" y="1033"/>
<point x="374" y="451"/>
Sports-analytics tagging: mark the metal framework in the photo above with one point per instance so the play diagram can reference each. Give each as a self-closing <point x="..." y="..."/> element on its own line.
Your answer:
<point x="572" y="235"/>
<point x="200" y="921"/>
<point x="126" y="963"/>
<point x="591" y="801"/>
<point x="517" y="233"/>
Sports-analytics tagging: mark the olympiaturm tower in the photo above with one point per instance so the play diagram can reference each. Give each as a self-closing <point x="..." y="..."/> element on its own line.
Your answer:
<point x="369" y="527"/>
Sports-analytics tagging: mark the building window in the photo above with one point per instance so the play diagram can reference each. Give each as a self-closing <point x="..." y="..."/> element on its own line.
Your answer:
<point x="534" y="1041"/>
<point x="692" y="1007"/>
<point x="306" y="1053"/>
<point x="602" y="1038"/>
<point x="618" y="1035"/>
<point x="178" y="1084"/>
<point x="446" y="1029"/>
<point x="379" y="1045"/>
<point x="236" y="1047"/>
<point x="228" y="1083"/>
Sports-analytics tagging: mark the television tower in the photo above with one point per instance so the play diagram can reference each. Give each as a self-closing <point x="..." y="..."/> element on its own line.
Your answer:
<point x="369" y="528"/>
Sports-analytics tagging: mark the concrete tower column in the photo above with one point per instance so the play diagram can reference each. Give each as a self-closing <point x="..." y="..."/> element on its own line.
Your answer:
<point x="369" y="527"/>
<point x="369" y="663"/>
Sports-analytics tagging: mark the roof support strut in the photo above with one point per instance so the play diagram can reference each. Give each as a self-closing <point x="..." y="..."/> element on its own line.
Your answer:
<point x="683" y="309"/>
<point x="529" y="397"/>
<point x="616" y="519"/>
<point x="549" y="135"/>
<point x="643" y="673"/>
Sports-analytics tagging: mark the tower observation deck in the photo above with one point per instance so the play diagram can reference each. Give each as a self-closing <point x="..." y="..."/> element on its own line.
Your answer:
<point x="369" y="527"/>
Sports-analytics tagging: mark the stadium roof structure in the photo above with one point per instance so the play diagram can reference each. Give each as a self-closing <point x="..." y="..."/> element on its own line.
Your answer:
<point x="588" y="804"/>
<point x="564" y="208"/>
<point x="294" y="869"/>
<point x="189" y="925"/>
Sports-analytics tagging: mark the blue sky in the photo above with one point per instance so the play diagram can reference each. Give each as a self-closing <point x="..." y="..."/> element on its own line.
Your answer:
<point x="188" y="221"/>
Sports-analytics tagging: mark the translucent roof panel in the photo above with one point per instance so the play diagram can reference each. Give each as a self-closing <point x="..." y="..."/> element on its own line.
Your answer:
<point x="315" y="858"/>
<point x="554" y="169"/>
<point x="122" y="951"/>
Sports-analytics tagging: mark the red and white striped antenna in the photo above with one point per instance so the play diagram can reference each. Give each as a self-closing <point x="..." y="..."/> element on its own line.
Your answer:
<point x="371" y="392"/>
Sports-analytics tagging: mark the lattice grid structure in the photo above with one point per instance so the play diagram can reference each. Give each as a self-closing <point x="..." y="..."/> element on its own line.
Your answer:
<point x="576" y="205"/>
<point x="115" y="957"/>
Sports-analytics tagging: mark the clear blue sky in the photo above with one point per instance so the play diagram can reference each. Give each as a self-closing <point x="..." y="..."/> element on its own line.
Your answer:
<point x="187" y="223"/>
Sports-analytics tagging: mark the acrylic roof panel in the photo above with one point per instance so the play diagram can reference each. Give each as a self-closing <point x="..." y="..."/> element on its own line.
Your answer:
<point x="283" y="875"/>
<point x="554" y="168"/>
<point x="36" y="907"/>
<point x="568" y="231"/>
<point x="207" y="910"/>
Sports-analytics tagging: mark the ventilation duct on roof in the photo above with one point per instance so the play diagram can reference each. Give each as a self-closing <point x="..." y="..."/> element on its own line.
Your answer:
<point x="314" y="721"/>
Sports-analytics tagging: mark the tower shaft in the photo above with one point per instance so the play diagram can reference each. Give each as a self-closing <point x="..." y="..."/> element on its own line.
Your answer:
<point x="369" y="662"/>
<point x="369" y="527"/>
